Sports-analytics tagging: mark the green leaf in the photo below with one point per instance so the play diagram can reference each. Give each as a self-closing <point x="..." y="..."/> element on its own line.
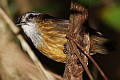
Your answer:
<point x="87" y="3"/>
<point x="111" y="16"/>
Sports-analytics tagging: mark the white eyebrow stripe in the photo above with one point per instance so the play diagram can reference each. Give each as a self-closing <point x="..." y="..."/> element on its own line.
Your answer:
<point x="27" y="14"/>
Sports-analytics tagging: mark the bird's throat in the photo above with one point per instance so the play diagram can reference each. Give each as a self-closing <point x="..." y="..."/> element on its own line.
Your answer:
<point x="32" y="32"/>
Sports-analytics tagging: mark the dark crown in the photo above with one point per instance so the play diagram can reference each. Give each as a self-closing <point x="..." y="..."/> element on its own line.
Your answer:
<point x="29" y="16"/>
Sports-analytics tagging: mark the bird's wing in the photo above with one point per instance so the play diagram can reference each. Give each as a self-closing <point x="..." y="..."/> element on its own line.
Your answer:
<point x="53" y="32"/>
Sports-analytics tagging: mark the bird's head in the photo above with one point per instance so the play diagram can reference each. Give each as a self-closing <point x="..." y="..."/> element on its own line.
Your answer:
<point x="28" y="17"/>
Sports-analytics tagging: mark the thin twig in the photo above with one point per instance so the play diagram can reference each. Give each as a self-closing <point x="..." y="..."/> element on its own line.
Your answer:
<point x="93" y="61"/>
<point x="97" y="66"/>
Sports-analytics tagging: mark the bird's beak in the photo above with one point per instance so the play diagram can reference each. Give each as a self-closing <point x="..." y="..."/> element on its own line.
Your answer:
<point x="20" y="23"/>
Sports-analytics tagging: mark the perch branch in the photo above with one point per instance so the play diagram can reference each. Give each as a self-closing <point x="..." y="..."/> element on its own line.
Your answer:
<point x="76" y="60"/>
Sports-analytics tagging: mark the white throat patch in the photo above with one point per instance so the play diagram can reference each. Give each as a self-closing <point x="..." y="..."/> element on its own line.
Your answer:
<point x="31" y="31"/>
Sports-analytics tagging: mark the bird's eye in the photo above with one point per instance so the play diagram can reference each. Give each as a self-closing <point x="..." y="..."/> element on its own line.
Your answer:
<point x="30" y="16"/>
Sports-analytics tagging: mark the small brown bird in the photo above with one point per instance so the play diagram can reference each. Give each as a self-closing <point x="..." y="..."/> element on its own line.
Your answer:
<point x="48" y="35"/>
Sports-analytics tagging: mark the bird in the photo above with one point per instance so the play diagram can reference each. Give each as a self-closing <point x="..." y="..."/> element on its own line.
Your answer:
<point x="48" y="34"/>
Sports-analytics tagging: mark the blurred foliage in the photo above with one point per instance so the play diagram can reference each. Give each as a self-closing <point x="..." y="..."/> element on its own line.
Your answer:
<point x="110" y="13"/>
<point x="111" y="16"/>
<point x="88" y="3"/>
<point x="12" y="7"/>
<point x="53" y="7"/>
